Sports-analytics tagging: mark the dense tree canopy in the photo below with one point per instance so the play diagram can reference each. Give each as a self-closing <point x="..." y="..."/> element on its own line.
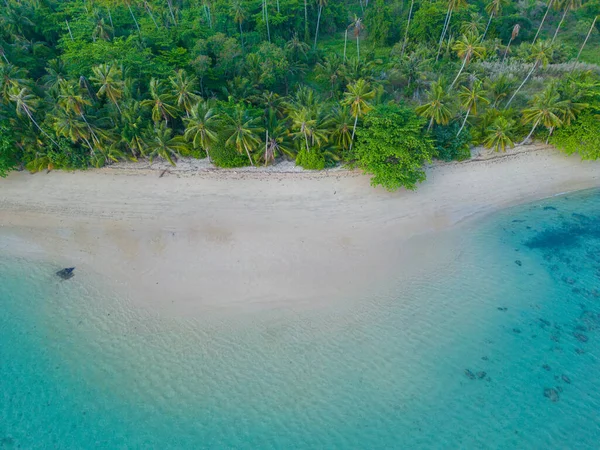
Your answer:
<point x="86" y="83"/>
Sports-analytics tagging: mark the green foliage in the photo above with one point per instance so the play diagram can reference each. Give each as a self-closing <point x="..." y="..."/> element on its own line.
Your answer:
<point x="310" y="159"/>
<point x="227" y="157"/>
<point x="390" y="147"/>
<point x="582" y="136"/>
<point x="8" y="159"/>
<point x="448" y="145"/>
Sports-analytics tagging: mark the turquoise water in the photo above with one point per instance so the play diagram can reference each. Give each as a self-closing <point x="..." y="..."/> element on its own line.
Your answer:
<point x="497" y="348"/>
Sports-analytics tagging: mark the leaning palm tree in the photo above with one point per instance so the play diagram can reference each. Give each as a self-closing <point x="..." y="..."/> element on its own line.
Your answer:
<point x="202" y="127"/>
<point x="568" y="5"/>
<point x="584" y="42"/>
<point x="514" y="34"/>
<point x="161" y="143"/>
<point x="437" y="108"/>
<point x="182" y="89"/>
<point x="11" y="76"/>
<point x="320" y="4"/>
<point x="550" y="2"/>
<point x="340" y="124"/>
<point x="307" y="125"/>
<point x="24" y="104"/>
<point x="493" y="8"/>
<point x="357" y="98"/>
<point x="405" y="41"/>
<point x="540" y="55"/>
<point x="452" y="5"/>
<point x="499" y="135"/>
<point x="239" y="17"/>
<point x="470" y="99"/>
<point x="108" y="78"/>
<point x="242" y="131"/>
<point x="546" y="109"/>
<point x="467" y="47"/>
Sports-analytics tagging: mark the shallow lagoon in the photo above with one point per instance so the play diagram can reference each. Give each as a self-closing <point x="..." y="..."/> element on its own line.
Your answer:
<point x="496" y="348"/>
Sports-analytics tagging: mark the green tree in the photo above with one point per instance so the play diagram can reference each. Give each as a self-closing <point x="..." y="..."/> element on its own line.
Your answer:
<point x="546" y="109"/>
<point x="470" y="99"/>
<point x="437" y="108"/>
<point x="467" y="47"/>
<point x="162" y="143"/>
<point x="202" y="127"/>
<point x="242" y="132"/>
<point x="540" y="54"/>
<point x="108" y="79"/>
<point x="182" y="90"/>
<point x="160" y="102"/>
<point x="390" y="147"/>
<point x="357" y="97"/>
<point x="581" y="136"/>
<point x="499" y="134"/>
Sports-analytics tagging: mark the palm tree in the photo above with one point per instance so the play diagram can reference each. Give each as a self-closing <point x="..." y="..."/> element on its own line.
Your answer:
<point x="452" y="5"/>
<point x="162" y="143"/>
<point x="171" y="12"/>
<point x="160" y="102"/>
<point x="437" y="107"/>
<point x="499" y="88"/>
<point x="514" y="34"/>
<point x="340" y="124"/>
<point x="550" y="2"/>
<point x="412" y="4"/>
<point x="332" y="71"/>
<point x="239" y="16"/>
<point x="10" y="76"/>
<point x="357" y="27"/>
<point x="493" y="8"/>
<point x="357" y="98"/>
<point x="202" y="128"/>
<point x="584" y="42"/>
<point x="470" y="99"/>
<point x="108" y="77"/>
<point x="182" y="88"/>
<point x="242" y="132"/>
<point x="295" y="47"/>
<point x="467" y="47"/>
<point x="73" y="129"/>
<point x="55" y="72"/>
<point x="307" y="124"/>
<point x="72" y="102"/>
<point x="540" y="55"/>
<point x="128" y="3"/>
<point x="24" y="104"/>
<point x="568" y="5"/>
<point x="499" y="135"/>
<point x="320" y="4"/>
<point x="545" y="108"/>
<point x="102" y="31"/>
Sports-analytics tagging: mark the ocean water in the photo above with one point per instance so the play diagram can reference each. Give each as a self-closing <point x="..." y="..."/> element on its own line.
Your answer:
<point x="496" y="348"/>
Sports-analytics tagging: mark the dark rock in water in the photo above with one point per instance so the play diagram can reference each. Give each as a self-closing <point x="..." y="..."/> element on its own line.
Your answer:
<point x="568" y="280"/>
<point x="566" y="379"/>
<point x="518" y="263"/>
<point x="552" y="394"/>
<point x="549" y="208"/>
<point x="546" y="367"/>
<point x="470" y="375"/>
<point x="516" y="330"/>
<point x="559" y="389"/>
<point x="581" y="337"/>
<point x="7" y="442"/>
<point x="545" y="322"/>
<point x="481" y="374"/>
<point x="485" y="358"/>
<point x="591" y="320"/>
<point x="502" y="308"/>
<point x="579" y="351"/>
<point x="67" y="273"/>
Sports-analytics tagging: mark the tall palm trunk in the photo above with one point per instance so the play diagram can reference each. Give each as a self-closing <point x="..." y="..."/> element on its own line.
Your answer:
<point x="26" y="109"/>
<point x="241" y="35"/>
<point x="110" y="18"/>
<point x="358" y="47"/>
<point x="68" y="28"/>
<point x="317" y="30"/>
<point x="248" y="153"/>
<point x="567" y="6"/>
<point x="149" y="11"/>
<point x="266" y="13"/>
<point x="488" y="25"/>
<point x="531" y="132"/>
<point x="171" y="11"/>
<point x="134" y="19"/>
<point x="523" y="83"/>
<point x="345" y="43"/>
<point x="549" y="134"/>
<point x="430" y="124"/>
<point x="584" y="42"/>
<point x="543" y="20"/>
<point x="412" y="3"/>
<point x="464" y="121"/>
<point x="506" y="49"/>
<point x="461" y="69"/>
<point x="444" y="31"/>
<point x="306" y="33"/>
<point x="354" y="129"/>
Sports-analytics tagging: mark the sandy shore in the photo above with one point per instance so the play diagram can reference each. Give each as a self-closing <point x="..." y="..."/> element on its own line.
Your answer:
<point x="194" y="241"/>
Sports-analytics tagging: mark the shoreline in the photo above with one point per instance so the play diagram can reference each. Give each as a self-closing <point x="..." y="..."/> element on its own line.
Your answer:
<point x="191" y="244"/>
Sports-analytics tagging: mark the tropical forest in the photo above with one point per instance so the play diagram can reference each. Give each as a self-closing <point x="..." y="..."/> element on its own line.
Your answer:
<point x="386" y="86"/>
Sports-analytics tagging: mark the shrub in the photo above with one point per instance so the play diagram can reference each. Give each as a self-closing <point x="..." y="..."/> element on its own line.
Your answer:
<point x="227" y="157"/>
<point x="449" y="146"/>
<point x="311" y="160"/>
<point x="582" y="136"/>
<point x="390" y="146"/>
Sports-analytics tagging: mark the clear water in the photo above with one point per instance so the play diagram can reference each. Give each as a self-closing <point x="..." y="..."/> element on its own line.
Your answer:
<point x="520" y="301"/>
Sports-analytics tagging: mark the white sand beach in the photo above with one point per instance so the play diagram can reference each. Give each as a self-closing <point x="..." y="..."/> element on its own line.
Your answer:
<point x="193" y="240"/>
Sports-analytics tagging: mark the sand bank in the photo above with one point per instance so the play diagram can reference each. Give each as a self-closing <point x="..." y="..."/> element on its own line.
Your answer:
<point x="198" y="240"/>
